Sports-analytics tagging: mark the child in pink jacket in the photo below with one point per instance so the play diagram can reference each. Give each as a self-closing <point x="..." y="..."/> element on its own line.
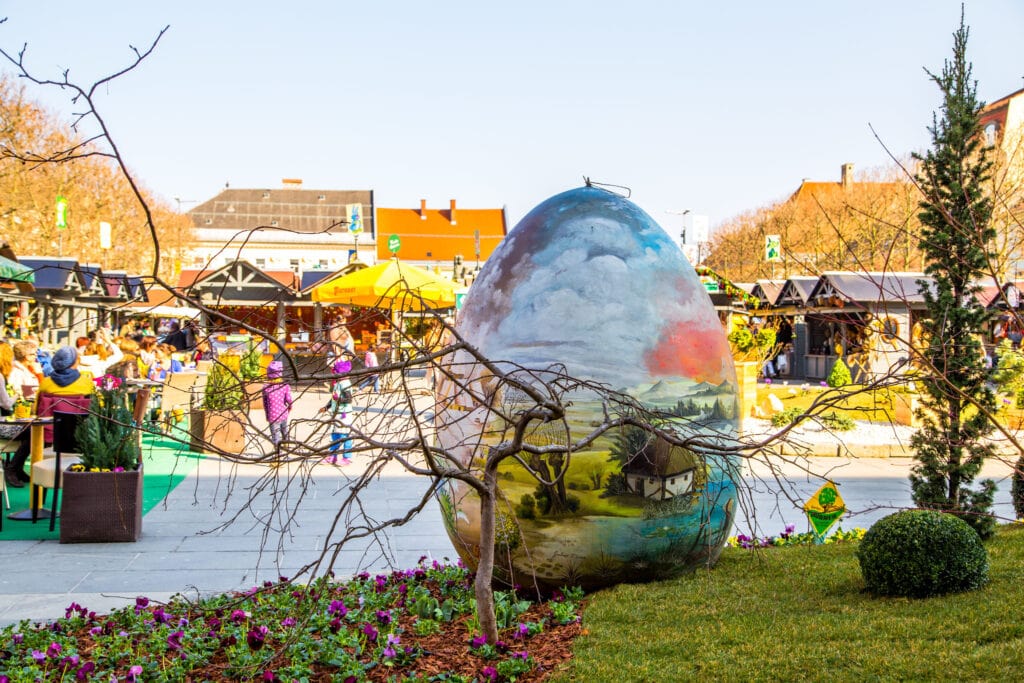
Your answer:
<point x="277" y="403"/>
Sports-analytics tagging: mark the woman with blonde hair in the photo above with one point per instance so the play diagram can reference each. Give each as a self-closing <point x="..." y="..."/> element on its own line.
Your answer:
<point x="14" y="477"/>
<point x="25" y="371"/>
<point x="128" y="366"/>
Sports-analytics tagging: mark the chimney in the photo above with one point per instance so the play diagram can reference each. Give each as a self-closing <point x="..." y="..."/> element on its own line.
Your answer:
<point x="846" y="177"/>
<point x="291" y="183"/>
<point x="451" y="213"/>
<point x="423" y="209"/>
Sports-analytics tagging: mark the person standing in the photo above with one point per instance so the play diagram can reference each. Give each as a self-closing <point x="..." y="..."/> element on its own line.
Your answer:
<point x="339" y="410"/>
<point x="370" y="361"/>
<point x="277" y="403"/>
<point x="176" y="337"/>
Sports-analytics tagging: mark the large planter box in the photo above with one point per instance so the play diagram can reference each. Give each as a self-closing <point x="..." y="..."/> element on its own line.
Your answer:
<point x="254" y="395"/>
<point x="217" y="431"/>
<point x="101" y="507"/>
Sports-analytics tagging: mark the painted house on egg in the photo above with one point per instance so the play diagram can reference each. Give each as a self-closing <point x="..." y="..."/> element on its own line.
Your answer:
<point x="660" y="471"/>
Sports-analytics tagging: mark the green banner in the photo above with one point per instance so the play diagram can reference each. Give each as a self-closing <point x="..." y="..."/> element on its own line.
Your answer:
<point x="62" y="212"/>
<point x="823" y="521"/>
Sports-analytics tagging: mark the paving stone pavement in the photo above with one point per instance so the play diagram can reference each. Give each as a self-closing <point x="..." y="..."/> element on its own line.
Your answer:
<point x="188" y="546"/>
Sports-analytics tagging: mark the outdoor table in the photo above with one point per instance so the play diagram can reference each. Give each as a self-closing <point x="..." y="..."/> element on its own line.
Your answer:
<point x="36" y="454"/>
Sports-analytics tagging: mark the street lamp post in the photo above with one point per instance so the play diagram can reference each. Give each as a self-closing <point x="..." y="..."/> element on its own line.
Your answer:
<point x="682" y="232"/>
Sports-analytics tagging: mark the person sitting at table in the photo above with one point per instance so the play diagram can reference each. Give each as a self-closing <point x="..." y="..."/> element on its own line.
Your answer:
<point x="147" y="354"/>
<point x="128" y="366"/>
<point x="66" y="389"/>
<point x="24" y="376"/>
<point x="9" y="432"/>
<point x="99" y="355"/>
<point x="167" y="353"/>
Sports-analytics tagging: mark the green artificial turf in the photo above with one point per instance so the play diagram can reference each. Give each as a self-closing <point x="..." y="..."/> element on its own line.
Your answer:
<point x="801" y="614"/>
<point x="166" y="462"/>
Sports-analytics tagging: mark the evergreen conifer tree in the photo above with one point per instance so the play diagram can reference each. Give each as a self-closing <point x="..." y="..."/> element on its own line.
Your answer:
<point x="956" y="233"/>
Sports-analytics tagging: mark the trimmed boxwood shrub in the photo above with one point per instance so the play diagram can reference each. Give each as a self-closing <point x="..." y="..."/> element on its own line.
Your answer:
<point x="839" y="376"/>
<point x="1017" y="488"/>
<point x="918" y="553"/>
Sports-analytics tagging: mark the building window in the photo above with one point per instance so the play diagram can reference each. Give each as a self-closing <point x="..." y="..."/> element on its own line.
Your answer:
<point x="294" y="264"/>
<point x="990" y="134"/>
<point x="322" y="263"/>
<point x="261" y="263"/>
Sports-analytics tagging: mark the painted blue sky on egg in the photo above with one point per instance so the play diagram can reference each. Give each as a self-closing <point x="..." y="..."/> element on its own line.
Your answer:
<point x="589" y="279"/>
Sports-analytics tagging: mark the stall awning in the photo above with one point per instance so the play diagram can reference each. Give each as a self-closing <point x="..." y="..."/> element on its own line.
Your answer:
<point x="15" y="272"/>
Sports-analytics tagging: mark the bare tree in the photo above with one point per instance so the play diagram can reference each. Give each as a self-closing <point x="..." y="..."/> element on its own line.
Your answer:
<point x="524" y="408"/>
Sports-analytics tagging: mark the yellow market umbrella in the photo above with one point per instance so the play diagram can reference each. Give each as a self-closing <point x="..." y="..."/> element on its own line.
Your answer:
<point x="391" y="284"/>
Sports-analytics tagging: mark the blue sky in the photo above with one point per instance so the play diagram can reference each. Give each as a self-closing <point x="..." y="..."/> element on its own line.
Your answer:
<point x="713" y="107"/>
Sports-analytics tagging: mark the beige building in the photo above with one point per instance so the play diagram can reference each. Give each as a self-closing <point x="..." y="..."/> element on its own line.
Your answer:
<point x="289" y="228"/>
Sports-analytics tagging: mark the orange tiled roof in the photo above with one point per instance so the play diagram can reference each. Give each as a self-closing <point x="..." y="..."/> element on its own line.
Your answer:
<point x="430" y="235"/>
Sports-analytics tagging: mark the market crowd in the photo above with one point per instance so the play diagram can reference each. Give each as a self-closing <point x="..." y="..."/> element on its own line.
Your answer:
<point x="32" y="373"/>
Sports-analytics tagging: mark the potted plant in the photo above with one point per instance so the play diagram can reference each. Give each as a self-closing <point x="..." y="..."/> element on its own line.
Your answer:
<point x="22" y="408"/>
<point x="217" y="426"/>
<point x="250" y="371"/>
<point x="102" y="493"/>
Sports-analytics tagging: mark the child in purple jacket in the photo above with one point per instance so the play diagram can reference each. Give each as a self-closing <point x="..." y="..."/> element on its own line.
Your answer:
<point x="277" y="403"/>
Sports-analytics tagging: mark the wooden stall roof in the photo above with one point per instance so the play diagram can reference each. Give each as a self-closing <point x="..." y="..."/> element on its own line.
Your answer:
<point x="55" y="274"/>
<point x="239" y="282"/>
<point x="767" y="291"/>
<point x="796" y="291"/>
<point x="870" y="287"/>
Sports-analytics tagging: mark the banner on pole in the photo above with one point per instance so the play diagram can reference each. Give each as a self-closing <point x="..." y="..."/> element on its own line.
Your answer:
<point x="772" y="248"/>
<point x="824" y="509"/>
<point x="62" y="212"/>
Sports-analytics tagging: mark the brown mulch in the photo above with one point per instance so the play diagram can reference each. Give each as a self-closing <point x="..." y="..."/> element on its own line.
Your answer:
<point x="448" y="652"/>
<point x="445" y="652"/>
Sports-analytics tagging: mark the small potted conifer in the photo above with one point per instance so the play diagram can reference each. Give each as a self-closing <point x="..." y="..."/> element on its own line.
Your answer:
<point x="102" y="493"/>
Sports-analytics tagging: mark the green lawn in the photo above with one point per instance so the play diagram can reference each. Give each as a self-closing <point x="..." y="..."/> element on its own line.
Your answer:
<point x="799" y="613"/>
<point x="859" y="404"/>
<point x="852" y="400"/>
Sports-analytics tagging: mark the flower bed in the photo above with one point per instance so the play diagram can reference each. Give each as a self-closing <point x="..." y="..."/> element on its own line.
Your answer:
<point x="415" y="625"/>
<point x="789" y="537"/>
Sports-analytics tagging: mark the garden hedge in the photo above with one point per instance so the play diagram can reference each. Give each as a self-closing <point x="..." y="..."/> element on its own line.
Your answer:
<point x="919" y="553"/>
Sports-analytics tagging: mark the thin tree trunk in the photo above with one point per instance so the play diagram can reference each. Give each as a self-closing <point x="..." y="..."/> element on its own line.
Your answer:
<point x="485" y="569"/>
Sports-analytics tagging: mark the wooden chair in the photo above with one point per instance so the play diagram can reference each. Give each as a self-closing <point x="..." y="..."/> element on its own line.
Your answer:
<point x="46" y="473"/>
<point x="176" y="394"/>
<point x="48" y="404"/>
<point x="8" y="447"/>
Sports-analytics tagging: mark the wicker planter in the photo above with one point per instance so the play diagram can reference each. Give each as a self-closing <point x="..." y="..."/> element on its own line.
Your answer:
<point x="217" y="431"/>
<point x="101" y="507"/>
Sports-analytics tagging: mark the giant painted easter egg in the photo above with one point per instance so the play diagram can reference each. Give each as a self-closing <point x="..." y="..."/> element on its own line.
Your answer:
<point x="588" y="292"/>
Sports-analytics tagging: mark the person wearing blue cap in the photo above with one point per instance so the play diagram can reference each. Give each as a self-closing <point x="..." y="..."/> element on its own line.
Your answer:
<point x="65" y="379"/>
